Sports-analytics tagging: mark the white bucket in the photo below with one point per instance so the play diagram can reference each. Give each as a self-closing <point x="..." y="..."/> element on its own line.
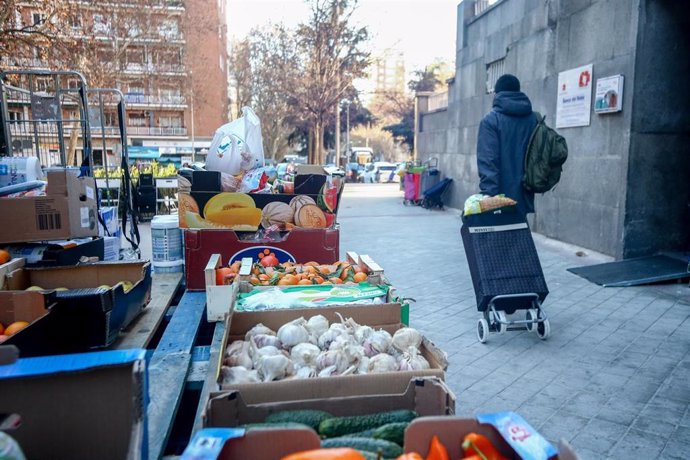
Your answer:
<point x="17" y="170"/>
<point x="176" y="266"/>
<point x="166" y="239"/>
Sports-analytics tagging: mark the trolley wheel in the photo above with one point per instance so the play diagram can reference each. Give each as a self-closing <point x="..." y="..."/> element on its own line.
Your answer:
<point x="482" y="330"/>
<point x="501" y="316"/>
<point x="543" y="329"/>
<point x="531" y="315"/>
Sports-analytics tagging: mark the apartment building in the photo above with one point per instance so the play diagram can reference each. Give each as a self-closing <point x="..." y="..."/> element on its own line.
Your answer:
<point x="389" y="71"/>
<point x="168" y="59"/>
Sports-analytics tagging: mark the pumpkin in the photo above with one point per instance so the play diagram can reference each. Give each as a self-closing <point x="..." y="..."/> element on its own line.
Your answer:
<point x="310" y="216"/>
<point x="342" y="453"/>
<point x="277" y="213"/>
<point x="300" y="200"/>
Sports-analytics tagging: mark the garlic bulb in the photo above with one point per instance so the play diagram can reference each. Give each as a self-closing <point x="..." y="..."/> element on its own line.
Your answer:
<point x="263" y="340"/>
<point x="377" y="342"/>
<point x="412" y="360"/>
<point x="258" y="353"/>
<point x="336" y="330"/>
<point x="306" y="372"/>
<point x="362" y="333"/>
<point x="238" y="375"/>
<point x="256" y="330"/>
<point x="327" y="371"/>
<point x="317" y="325"/>
<point x="237" y="354"/>
<point x="274" y="367"/>
<point x="405" y="338"/>
<point x="292" y="333"/>
<point x="363" y="366"/>
<point x="304" y="354"/>
<point x="382" y="363"/>
<point x="326" y="359"/>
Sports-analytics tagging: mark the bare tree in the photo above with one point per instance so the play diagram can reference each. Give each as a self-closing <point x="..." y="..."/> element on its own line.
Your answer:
<point x="240" y="73"/>
<point x="34" y="33"/>
<point x="332" y="57"/>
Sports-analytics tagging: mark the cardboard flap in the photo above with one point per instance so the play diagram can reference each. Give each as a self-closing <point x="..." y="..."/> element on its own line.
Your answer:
<point x="81" y="276"/>
<point x="58" y="182"/>
<point x="427" y="396"/>
<point x="303" y="169"/>
<point x="21" y="306"/>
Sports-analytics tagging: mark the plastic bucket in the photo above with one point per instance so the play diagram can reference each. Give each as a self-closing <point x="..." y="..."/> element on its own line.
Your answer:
<point x="166" y="239"/>
<point x="175" y="266"/>
<point x="17" y="170"/>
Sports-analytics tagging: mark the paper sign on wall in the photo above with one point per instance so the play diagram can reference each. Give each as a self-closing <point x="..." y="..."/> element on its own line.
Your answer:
<point x="574" y="102"/>
<point x="609" y="94"/>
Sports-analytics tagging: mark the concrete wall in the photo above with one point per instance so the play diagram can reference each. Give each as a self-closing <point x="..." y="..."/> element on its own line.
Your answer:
<point x="657" y="216"/>
<point x="538" y="39"/>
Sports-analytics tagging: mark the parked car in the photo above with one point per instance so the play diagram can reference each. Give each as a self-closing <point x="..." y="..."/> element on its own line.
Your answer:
<point x="334" y="170"/>
<point x="380" y="171"/>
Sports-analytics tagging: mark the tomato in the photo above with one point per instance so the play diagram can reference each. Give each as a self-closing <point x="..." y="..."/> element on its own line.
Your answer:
<point x="269" y="261"/>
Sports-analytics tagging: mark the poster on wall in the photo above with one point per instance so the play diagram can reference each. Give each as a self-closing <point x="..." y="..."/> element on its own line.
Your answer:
<point x="574" y="103"/>
<point x="609" y="94"/>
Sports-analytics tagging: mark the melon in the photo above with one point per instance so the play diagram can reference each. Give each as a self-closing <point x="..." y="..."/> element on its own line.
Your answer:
<point x="277" y="213"/>
<point x="310" y="216"/>
<point x="300" y="200"/>
<point x="328" y="197"/>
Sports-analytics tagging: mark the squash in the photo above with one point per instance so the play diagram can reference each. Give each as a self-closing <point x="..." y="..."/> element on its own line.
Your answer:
<point x="277" y="213"/>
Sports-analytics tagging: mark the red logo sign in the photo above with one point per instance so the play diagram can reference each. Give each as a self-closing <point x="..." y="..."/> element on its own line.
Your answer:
<point x="585" y="78"/>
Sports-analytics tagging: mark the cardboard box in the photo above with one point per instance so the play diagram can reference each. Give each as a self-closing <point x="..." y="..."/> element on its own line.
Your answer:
<point x="300" y="245"/>
<point x="32" y="307"/>
<point x="111" y="248"/>
<point x="84" y="317"/>
<point x="220" y="299"/>
<point x="386" y="316"/>
<point x="76" y="407"/>
<point x="425" y="395"/>
<point x="68" y="210"/>
<point x="254" y="443"/>
<point x="452" y="430"/>
<point x="13" y="264"/>
<point x="109" y="215"/>
<point x="204" y="205"/>
<point x="59" y="253"/>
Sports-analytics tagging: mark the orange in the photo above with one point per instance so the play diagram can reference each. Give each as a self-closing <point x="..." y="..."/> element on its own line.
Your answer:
<point x="254" y="280"/>
<point x="327" y="283"/>
<point x="4" y="256"/>
<point x="312" y="264"/>
<point x="264" y="277"/>
<point x="335" y="280"/>
<point x="360" y="277"/>
<point x="325" y="270"/>
<point x="284" y="282"/>
<point x="290" y="279"/>
<point x="358" y="269"/>
<point x="2" y="329"/>
<point x="305" y="282"/>
<point x="221" y="274"/>
<point x="15" y="327"/>
<point x="235" y="267"/>
<point x="318" y="280"/>
<point x="345" y="272"/>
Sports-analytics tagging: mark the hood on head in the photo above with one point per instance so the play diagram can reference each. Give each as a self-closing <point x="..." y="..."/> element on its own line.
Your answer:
<point x="514" y="103"/>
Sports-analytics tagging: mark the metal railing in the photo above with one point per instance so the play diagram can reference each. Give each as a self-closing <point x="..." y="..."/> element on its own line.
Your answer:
<point x="148" y="131"/>
<point x="438" y="101"/>
<point x="165" y="68"/>
<point x="142" y="99"/>
<point x="482" y="5"/>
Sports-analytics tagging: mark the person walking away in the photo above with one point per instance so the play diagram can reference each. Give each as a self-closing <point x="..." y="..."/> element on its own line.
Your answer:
<point x="504" y="134"/>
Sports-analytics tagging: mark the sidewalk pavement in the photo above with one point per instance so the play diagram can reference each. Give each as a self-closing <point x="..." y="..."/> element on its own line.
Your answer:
<point x="614" y="376"/>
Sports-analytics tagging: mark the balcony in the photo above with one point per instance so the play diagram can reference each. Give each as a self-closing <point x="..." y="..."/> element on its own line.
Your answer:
<point x="22" y="63"/>
<point x="156" y="101"/>
<point x="132" y="67"/>
<point x="147" y="131"/>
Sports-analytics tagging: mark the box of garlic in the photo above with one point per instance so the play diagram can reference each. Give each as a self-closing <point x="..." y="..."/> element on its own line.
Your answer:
<point x="270" y="355"/>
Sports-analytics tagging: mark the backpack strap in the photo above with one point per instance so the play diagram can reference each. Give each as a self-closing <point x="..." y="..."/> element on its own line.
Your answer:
<point x="540" y="118"/>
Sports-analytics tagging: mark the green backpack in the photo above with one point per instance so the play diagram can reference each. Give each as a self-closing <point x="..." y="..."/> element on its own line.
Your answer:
<point x="546" y="153"/>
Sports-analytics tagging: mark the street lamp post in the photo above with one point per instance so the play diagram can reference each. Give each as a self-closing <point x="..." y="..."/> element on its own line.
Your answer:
<point x="347" y="132"/>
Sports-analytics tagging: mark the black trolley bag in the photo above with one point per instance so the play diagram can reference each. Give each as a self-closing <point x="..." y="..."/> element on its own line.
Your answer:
<point x="506" y="272"/>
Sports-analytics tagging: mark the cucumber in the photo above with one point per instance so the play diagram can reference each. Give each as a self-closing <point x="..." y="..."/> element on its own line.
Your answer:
<point x="276" y="425"/>
<point x="393" y="432"/>
<point x="388" y="449"/>
<point x="362" y="434"/>
<point x="311" y="418"/>
<point x="340" y="426"/>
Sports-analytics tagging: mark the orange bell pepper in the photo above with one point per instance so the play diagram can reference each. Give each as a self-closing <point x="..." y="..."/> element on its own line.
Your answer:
<point x="338" y="453"/>
<point x="479" y="445"/>
<point x="437" y="451"/>
<point x="410" y="456"/>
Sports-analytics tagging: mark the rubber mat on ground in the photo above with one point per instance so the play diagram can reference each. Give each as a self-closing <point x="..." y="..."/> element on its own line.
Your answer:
<point x="637" y="271"/>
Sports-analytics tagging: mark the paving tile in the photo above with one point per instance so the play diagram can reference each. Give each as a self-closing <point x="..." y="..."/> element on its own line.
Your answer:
<point x="676" y="450"/>
<point x="638" y="444"/>
<point x="654" y="424"/>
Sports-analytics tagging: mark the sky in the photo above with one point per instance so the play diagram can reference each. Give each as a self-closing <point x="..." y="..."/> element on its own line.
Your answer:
<point x="422" y="29"/>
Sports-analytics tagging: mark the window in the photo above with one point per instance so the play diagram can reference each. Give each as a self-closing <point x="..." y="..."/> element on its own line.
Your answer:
<point x="135" y="56"/>
<point x="494" y="70"/>
<point x="170" y="121"/>
<point x="37" y="19"/>
<point x="169" y="28"/>
<point x="16" y="116"/>
<point x="100" y="24"/>
<point x="75" y="21"/>
<point x="137" y="119"/>
<point x="42" y="84"/>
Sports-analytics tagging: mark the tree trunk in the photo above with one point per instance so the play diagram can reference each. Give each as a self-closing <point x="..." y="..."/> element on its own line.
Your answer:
<point x="310" y="145"/>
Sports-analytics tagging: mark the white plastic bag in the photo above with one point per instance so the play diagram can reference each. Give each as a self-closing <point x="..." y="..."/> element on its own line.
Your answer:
<point x="237" y="146"/>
